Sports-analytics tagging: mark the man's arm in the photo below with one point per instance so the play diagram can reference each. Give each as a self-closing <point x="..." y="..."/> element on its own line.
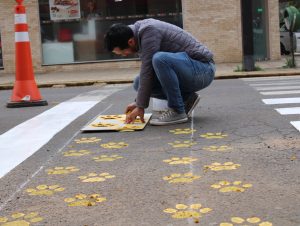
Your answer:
<point x="150" y="40"/>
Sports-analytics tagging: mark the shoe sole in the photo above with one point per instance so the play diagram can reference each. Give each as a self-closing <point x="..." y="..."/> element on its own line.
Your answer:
<point x="157" y="123"/>
<point x="194" y="105"/>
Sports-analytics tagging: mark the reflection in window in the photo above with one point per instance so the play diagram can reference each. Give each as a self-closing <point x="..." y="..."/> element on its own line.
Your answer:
<point x="73" y="30"/>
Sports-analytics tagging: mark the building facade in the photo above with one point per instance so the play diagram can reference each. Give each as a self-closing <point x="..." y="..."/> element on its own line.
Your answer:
<point x="67" y="35"/>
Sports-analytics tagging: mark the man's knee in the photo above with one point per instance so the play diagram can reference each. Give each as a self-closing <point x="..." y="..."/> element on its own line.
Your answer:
<point x="158" y="58"/>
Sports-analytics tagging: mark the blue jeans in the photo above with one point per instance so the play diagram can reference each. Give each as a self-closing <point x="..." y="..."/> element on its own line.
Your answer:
<point x="177" y="77"/>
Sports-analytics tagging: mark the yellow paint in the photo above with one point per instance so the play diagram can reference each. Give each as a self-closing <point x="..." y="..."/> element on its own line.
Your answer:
<point x="214" y="148"/>
<point x="224" y="186"/>
<point x="45" y="190"/>
<point x="218" y="166"/>
<point x="118" y="117"/>
<point x="85" y="200"/>
<point x="107" y="158"/>
<point x="213" y="135"/>
<point x="87" y="140"/>
<point x="131" y="127"/>
<point x="182" y="211"/>
<point x="75" y="153"/>
<point x="101" y="124"/>
<point x="177" y="161"/>
<point x="182" y="131"/>
<point x="20" y="219"/>
<point x="182" y="144"/>
<point x="62" y="170"/>
<point x="114" y="145"/>
<point x="181" y="178"/>
<point x="94" y="177"/>
<point x="239" y="220"/>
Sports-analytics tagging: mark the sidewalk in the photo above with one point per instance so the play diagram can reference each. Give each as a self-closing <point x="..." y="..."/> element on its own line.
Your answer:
<point x="110" y="76"/>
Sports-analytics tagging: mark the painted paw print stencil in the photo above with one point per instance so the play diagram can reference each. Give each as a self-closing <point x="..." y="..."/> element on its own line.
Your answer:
<point x="216" y="166"/>
<point x="182" y="211"/>
<point x="181" y="178"/>
<point x="182" y="131"/>
<point x="101" y="124"/>
<point x="118" y="117"/>
<point x="255" y="221"/>
<point x="85" y="200"/>
<point x="44" y="189"/>
<point x="182" y="144"/>
<point x="86" y="140"/>
<point x="177" y="161"/>
<point x="217" y="148"/>
<point x="226" y="186"/>
<point x="94" y="177"/>
<point x="74" y="153"/>
<point x="114" y="145"/>
<point x="213" y="135"/>
<point x="20" y="219"/>
<point x="131" y="127"/>
<point x="107" y="158"/>
<point x="62" y="170"/>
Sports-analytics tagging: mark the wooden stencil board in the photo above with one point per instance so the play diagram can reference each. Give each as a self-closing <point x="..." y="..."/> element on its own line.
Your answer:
<point x="115" y="123"/>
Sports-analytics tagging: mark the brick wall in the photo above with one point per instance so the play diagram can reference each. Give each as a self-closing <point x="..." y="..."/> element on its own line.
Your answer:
<point x="216" y="23"/>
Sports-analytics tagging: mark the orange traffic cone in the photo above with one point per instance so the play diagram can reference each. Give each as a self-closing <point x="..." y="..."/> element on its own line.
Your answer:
<point x="25" y="92"/>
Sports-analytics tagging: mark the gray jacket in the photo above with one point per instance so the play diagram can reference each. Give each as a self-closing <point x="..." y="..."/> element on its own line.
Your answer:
<point x="153" y="36"/>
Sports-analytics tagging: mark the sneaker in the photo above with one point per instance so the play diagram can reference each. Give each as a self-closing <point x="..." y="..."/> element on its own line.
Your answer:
<point x="191" y="103"/>
<point x="169" y="117"/>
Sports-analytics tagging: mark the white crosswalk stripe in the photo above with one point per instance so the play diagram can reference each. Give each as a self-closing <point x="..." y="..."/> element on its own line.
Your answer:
<point x="276" y="86"/>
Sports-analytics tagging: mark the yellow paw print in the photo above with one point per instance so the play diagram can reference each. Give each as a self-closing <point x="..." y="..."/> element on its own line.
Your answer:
<point x="107" y="158"/>
<point x="94" y="177"/>
<point x="218" y="166"/>
<point x="101" y="124"/>
<point x="75" y="153"/>
<point x="44" y="189"/>
<point x="62" y="170"/>
<point x="181" y="178"/>
<point x="131" y="127"/>
<point x="116" y="145"/>
<point x="213" y="135"/>
<point x="177" y="161"/>
<point x="182" y="131"/>
<point x="86" y="140"/>
<point x="118" y="117"/>
<point x="182" y="144"/>
<point x="85" y="200"/>
<point x="20" y="219"/>
<point x="252" y="220"/>
<point x="217" y="148"/>
<point x="182" y="211"/>
<point x="226" y="186"/>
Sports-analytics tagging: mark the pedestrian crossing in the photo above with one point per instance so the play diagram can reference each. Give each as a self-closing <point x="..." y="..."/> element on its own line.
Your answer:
<point x="285" y="91"/>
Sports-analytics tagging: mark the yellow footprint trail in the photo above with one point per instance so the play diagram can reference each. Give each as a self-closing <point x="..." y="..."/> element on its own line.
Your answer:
<point x="94" y="177"/>
<point x="213" y="135"/>
<point x="182" y="131"/>
<point x="216" y="166"/>
<point x="226" y="186"/>
<point x="252" y="221"/>
<point x="182" y="144"/>
<point x="44" y="189"/>
<point x="213" y="148"/>
<point x="85" y="200"/>
<point x="62" y="170"/>
<point x="107" y="158"/>
<point x="74" y="153"/>
<point x="21" y="219"/>
<point x="114" y="145"/>
<point x="87" y="140"/>
<point x="182" y="211"/>
<point x="178" y="161"/>
<point x="181" y="178"/>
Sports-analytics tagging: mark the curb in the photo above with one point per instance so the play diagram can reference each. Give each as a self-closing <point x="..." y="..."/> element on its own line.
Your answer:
<point x="63" y="84"/>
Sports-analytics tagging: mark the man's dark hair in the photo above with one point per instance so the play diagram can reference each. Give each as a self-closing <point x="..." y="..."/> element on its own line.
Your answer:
<point x="118" y="36"/>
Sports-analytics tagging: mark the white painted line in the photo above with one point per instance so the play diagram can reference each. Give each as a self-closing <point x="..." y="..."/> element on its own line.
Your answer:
<point x="296" y="124"/>
<point x="275" y="83"/>
<point x="280" y="92"/>
<point x="271" y="78"/>
<point x="22" y="141"/>
<point x="288" y="111"/>
<point x="277" y="88"/>
<point x="292" y="100"/>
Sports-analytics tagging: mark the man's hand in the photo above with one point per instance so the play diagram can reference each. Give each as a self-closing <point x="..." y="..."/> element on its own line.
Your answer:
<point x="130" y="107"/>
<point x="136" y="112"/>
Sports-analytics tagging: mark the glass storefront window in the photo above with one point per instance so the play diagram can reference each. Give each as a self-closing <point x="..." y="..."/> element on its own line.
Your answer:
<point x="73" y="30"/>
<point x="1" y="60"/>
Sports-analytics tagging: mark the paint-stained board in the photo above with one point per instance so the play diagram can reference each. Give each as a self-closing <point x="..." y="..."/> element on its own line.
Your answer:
<point x="115" y="123"/>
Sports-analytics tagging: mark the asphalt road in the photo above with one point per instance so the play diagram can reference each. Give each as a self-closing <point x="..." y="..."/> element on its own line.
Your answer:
<point x="236" y="162"/>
